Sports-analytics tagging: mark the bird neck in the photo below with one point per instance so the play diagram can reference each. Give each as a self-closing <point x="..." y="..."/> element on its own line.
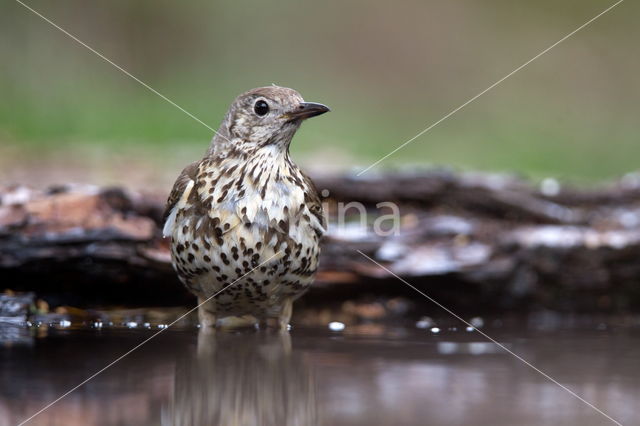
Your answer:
<point x="238" y="148"/>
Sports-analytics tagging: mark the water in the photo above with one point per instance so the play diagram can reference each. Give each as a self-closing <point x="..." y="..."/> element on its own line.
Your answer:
<point x="367" y="375"/>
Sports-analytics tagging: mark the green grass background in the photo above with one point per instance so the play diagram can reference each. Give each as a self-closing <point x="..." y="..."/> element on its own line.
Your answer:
<point x="387" y="69"/>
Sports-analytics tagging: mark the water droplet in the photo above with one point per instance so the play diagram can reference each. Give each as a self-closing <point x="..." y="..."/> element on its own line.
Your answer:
<point x="336" y="326"/>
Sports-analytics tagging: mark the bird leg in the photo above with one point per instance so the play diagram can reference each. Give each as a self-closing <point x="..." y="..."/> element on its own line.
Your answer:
<point x="285" y="315"/>
<point x="206" y="315"/>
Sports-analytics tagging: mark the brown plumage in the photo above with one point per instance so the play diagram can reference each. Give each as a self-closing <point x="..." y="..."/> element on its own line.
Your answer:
<point x="246" y="214"/>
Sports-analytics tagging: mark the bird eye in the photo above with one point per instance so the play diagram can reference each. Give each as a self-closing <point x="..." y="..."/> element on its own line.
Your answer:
<point x="261" y="107"/>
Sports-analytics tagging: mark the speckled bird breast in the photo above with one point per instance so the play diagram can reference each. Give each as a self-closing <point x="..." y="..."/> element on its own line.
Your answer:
<point x="246" y="224"/>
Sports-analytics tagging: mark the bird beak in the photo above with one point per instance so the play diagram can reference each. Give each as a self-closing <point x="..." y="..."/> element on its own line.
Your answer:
<point x="307" y="110"/>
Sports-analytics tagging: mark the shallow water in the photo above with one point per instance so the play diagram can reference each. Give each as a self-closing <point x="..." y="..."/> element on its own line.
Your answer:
<point x="368" y="375"/>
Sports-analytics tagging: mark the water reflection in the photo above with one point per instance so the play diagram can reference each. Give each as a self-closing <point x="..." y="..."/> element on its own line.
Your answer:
<point x="14" y="334"/>
<point x="243" y="379"/>
<point x="367" y="375"/>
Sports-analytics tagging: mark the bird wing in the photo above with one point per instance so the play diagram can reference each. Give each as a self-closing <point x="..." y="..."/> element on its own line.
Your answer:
<point x="178" y="196"/>
<point x="314" y="202"/>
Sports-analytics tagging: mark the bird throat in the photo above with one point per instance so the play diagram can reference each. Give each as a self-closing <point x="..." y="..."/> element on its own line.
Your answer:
<point x="255" y="188"/>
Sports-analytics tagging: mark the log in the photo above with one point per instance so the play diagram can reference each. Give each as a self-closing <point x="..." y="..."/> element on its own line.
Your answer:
<point x="475" y="242"/>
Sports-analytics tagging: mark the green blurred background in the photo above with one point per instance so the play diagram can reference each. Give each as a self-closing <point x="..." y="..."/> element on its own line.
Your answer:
<point x="387" y="69"/>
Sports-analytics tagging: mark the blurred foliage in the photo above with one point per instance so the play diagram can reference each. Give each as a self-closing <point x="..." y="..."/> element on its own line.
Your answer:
<point x="387" y="69"/>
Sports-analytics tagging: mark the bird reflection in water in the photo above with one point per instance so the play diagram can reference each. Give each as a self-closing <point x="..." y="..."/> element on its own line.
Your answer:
<point x="243" y="378"/>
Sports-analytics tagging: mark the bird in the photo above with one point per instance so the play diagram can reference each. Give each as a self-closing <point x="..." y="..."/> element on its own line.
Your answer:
<point x="245" y="222"/>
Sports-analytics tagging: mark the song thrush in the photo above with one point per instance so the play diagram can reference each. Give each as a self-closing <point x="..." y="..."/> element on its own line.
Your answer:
<point x="245" y="216"/>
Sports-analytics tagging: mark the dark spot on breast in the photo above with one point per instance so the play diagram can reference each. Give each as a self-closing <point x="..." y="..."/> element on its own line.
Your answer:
<point x="263" y="191"/>
<point x="208" y="203"/>
<point x="231" y="170"/>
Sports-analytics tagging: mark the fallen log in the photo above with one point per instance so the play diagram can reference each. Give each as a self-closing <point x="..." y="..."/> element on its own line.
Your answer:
<point x="476" y="243"/>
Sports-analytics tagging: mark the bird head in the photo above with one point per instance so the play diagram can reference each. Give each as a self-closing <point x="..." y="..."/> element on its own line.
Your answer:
<point x="265" y="116"/>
